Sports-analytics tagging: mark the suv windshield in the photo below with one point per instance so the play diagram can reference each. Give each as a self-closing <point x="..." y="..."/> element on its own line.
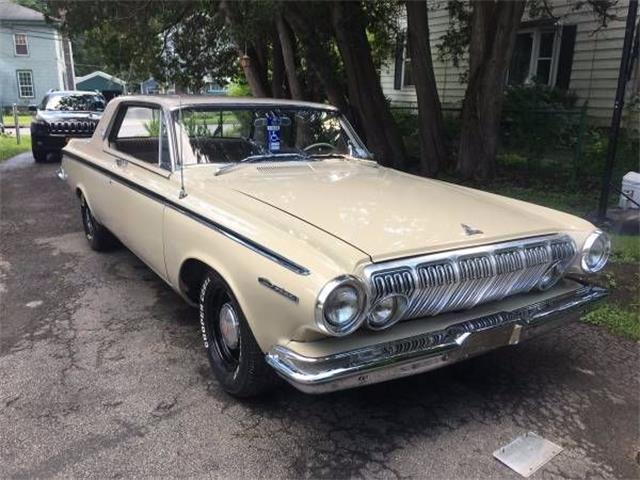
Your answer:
<point x="235" y="134"/>
<point x="74" y="102"/>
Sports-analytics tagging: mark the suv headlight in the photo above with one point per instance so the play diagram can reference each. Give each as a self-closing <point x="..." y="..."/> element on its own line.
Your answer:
<point x="595" y="252"/>
<point x="340" y="307"/>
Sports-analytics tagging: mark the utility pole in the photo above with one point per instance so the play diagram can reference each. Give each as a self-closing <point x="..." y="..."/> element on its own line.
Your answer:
<point x="616" y="117"/>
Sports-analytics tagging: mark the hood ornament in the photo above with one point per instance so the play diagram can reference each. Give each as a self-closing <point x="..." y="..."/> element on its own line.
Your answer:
<point x="470" y="230"/>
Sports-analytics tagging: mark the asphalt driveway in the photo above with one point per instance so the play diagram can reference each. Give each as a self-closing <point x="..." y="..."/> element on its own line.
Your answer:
<point x="102" y="374"/>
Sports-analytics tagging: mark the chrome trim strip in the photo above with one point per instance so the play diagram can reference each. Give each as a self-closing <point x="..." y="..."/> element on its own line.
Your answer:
<point x="236" y="237"/>
<point x="428" y="351"/>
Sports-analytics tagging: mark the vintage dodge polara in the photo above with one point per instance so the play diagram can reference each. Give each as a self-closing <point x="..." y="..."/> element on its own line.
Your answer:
<point x="308" y="260"/>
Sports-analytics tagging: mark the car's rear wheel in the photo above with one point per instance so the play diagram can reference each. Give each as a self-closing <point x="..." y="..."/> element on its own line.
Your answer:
<point x="235" y="357"/>
<point x="100" y="239"/>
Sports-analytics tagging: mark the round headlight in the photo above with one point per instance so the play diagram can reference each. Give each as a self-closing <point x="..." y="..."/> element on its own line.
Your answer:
<point x="340" y="307"/>
<point x="550" y="277"/>
<point x="595" y="252"/>
<point x="386" y="311"/>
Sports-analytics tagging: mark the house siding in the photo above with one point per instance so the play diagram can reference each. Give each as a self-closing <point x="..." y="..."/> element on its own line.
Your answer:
<point x="44" y="60"/>
<point x="594" y="71"/>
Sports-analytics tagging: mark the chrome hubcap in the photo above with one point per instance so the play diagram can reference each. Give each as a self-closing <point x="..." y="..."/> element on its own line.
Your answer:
<point x="229" y="326"/>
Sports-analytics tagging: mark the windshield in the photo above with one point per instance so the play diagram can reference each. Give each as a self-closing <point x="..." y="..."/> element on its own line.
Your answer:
<point x="233" y="135"/>
<point x="81" y="102"/>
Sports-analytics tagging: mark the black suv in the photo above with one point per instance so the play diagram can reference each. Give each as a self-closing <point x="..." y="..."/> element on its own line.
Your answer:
<point x="63" y="115"/>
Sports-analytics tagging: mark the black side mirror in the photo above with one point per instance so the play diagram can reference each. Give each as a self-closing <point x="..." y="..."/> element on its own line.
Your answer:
<point x="33" y="108"/>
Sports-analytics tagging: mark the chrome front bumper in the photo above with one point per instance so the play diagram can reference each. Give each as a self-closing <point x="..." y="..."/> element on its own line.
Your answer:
<point x="428" y="351"/>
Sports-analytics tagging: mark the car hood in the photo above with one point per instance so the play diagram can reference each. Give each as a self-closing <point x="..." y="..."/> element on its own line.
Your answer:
<point x="389" y="214"/>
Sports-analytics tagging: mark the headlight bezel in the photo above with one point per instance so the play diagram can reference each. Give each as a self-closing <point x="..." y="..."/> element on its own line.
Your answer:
<point x="597" y="235"/>
<point x="324" y="296"/>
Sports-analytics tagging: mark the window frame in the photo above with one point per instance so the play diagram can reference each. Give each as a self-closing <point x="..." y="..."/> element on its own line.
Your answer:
<point x="114" y="126"/>
<point x="15" y="44"/>
<point x="33" y="85"/>
<point x="535" y="53"/>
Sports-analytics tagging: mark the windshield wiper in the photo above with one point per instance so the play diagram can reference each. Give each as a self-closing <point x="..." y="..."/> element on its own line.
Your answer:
<point x="256" y="159"/>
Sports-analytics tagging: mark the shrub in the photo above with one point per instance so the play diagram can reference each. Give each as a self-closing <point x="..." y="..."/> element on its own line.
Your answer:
<point x="537" y="117"/>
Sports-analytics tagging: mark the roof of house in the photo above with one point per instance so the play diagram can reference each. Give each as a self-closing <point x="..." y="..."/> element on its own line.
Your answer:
<point x="13" y="12"/>
<point x="99" y="73"/>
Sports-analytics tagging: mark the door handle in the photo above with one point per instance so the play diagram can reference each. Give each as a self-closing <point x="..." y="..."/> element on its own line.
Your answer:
<point x="121" y="162"/>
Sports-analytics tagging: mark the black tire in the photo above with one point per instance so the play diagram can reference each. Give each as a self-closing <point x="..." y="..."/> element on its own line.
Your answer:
<point x="40" y="156"/>
<point x="242" y="371"/>
<point x="100" y="238"/>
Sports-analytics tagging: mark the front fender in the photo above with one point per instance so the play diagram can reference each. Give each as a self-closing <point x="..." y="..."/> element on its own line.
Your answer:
<point x="274" y="318"/>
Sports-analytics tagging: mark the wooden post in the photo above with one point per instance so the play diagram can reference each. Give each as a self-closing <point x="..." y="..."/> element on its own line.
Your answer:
<point x="15" y="122"/>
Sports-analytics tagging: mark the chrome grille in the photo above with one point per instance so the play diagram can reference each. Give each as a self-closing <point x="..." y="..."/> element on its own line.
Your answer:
<point x="77" y="127"/>
<point x="461" y="279"/>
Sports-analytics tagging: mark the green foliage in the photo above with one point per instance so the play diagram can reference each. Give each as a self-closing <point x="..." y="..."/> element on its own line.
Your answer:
<point x="238" y="88"/>
<point x="537" y="117"/>
<point x="595" y="152"/>
<point x="625" y="249"/>
<point x="152" y="127"/>
<point x="616" y="319"/>
<point x="9" y="147"/>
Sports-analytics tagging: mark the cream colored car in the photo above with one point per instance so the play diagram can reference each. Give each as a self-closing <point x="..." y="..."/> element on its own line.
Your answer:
<point x="309" y="260"/>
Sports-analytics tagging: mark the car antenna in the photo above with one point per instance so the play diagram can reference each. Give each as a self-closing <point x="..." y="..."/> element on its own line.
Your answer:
<point x="183" y="192"/>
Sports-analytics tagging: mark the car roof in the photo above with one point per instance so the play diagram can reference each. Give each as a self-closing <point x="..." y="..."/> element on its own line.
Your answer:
<point x="73" y="92"/>
<point x="177" y="101"/>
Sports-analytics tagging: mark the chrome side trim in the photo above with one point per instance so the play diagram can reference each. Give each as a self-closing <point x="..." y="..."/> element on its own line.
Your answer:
<point x="230" y="234"/>
<point x="428" y="351"/>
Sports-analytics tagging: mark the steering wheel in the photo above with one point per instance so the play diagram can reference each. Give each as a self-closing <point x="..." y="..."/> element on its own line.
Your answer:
<point x="319" y="145"/>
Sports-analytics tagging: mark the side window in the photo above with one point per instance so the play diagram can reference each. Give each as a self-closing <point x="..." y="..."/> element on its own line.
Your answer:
<point x="143" y="134"/>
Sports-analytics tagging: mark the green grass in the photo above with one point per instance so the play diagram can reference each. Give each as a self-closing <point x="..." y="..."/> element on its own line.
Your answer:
<point x="617" y="319"/>
<point x="625" y="249"/>
<point x="24" y="120"/>
<point x="9" y="148"/>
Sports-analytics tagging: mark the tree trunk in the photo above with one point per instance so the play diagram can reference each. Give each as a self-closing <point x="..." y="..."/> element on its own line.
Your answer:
<point x="431" y="129"/>
<point x="493" y="30"/>
<point x="363" y="85"/>
<point x="287" y="42"/>
<point x="254" y="70"/>
<point x="277" y="69"/>
<point x="319" y="58"/>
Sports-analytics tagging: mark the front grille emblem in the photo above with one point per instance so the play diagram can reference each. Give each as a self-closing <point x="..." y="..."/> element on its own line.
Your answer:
<point x="470" y="230"/>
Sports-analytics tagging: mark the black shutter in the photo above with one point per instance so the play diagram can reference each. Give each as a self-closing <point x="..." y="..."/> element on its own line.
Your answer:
<point x="397" y="74"/>
<point x="565" y="58"/>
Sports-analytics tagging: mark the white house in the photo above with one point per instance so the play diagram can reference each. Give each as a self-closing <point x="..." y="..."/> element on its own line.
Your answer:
<point x="570" y="53"/>
<point x="34" y="56"/>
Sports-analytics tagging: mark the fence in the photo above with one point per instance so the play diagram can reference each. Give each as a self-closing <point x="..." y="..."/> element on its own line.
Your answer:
<point x="553" y="138"/>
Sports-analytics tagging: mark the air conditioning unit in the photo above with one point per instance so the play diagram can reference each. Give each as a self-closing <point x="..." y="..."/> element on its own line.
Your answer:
<point x="631" y="189"/>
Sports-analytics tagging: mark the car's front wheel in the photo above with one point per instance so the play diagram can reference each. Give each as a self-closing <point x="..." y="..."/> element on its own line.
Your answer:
<point x="99" y="238"/>
<point x="235" y="357"/>
<point x="40" y="156"/>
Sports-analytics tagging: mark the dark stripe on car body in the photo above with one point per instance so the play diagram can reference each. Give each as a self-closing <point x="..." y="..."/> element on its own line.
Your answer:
<point x="239" y="238"/>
